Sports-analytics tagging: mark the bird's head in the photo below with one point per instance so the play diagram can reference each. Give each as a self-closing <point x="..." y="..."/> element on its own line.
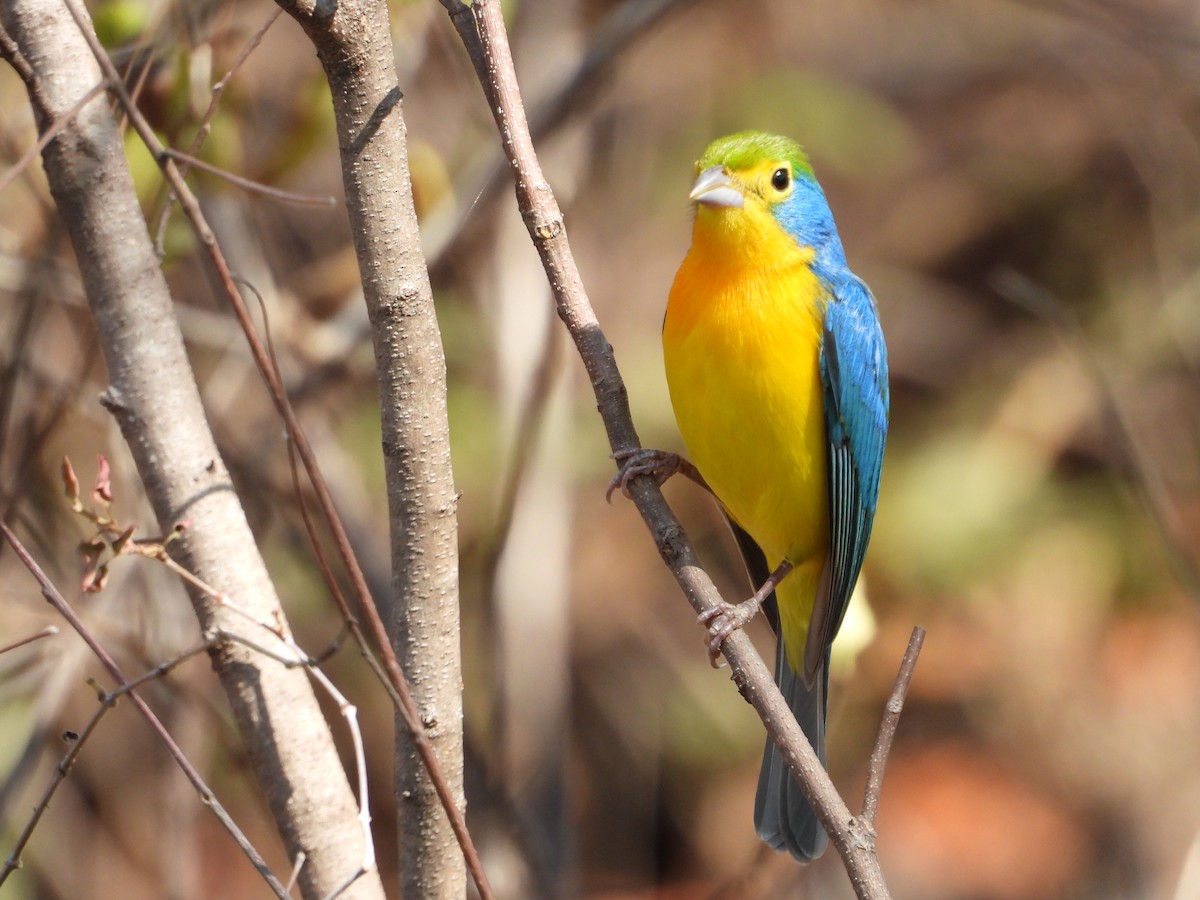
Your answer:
<point x="755" y="194"/>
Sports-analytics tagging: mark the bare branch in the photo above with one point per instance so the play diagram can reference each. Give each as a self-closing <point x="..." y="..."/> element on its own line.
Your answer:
<point x="247" y="184"/>
<point x="398" y="684"/>
<point x="350" y="714"/>
<point x="353" y="42"/>
<point x="294" y="658"/>
<point x="61" y="771"/>
<point x="206" y="120"/>
<point x="155" y="400"/>
<point x="77" y="741"/>
<point x="48" y="631"/>
<point x="887" y="727"/>
<point x="56" y="599"/>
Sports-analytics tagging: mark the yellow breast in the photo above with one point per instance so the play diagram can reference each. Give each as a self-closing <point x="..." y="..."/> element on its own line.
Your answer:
<point x="741" y="341"/>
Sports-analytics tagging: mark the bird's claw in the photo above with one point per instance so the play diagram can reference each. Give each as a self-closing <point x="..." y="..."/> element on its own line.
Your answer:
<point x="723" y="620"/>
<point x="662" y="464"/>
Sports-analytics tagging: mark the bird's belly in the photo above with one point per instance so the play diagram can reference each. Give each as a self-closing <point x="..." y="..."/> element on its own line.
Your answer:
<point x="748" y="401"/>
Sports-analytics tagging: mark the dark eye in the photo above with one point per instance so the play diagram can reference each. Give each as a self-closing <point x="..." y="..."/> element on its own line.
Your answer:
<point x="780" y="179"/>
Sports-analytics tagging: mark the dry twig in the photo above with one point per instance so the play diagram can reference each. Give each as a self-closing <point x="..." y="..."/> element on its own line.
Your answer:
<point x="48" y="631"/>
<point x="56" y="599"/>
<point x="202" y="130"/>
<point x="887" y="728"/>
<point x="154" y="398"/>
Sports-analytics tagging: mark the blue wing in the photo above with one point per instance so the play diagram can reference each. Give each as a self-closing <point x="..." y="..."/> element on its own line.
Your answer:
<point x="854" y="380"/>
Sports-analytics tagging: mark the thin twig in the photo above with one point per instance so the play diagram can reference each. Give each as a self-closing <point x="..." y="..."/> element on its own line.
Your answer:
<point x="887" y="727"/>
<point x="142" y="59"/>
<point x="108" y="700"/>
<point x="48" y="631"/>
<point x="297" y="657"/>
<point x="407" y="707"/>
<point x="12" y="53"/>
<point x="294" y="656"/>
<point x="350" y="714"/>
<point x="206" y="120"/>
<point x="56" y="599"/>
<point x="13" y="861"/>
<point x="297" y="868"/>
<point x="47" y="136"/>
<point x="310" y="528"/>
<point x="255" y="187"/>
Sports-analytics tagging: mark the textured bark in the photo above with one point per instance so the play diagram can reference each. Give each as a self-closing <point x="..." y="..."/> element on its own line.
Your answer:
<point x="155" y="400"/>
<point x="353" y="41"/>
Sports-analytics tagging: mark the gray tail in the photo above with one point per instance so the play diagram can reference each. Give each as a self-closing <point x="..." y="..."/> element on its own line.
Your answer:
<point x="782" y="816"/>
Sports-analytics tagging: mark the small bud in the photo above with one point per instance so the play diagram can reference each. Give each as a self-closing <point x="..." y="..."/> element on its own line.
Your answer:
<point x="70" y="482"/>
<point x="102" y="492"/>
<point x="119" y="544"/>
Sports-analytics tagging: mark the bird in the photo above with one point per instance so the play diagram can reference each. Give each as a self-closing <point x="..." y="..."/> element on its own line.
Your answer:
<point x="777" y="371"/>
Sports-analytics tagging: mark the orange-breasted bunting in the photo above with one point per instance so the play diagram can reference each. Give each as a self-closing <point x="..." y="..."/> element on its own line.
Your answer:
<point x="777" y="371"/>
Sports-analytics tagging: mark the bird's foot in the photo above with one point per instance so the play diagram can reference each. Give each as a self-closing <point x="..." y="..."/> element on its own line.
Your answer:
<point x="723" y="620"/>
<point x="662" y="464"/>
<point x="726" y="618"/>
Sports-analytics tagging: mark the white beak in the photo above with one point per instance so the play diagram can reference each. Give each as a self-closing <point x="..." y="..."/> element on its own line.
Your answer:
<point x="714" y="187"/>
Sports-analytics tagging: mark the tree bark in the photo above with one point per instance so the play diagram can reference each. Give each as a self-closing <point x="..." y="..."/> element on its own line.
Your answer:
<point x="353" y="41"/>
<point x="154" y="397"/>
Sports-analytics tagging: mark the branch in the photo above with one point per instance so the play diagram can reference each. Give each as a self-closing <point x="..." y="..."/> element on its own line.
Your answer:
<point x="13" y="861"/>
<point x="48" y="631"/>
<point x="481" y="27"/>
<point x="887" y="727"/>
<point x="446" y="792"/>
<point x="155" y="400"/>
<point x="295" y="657"/>
<point x="255" y="187"/>
<point x="67" y="118"/>
<point x="202" y="131"/>
<point x="112" y="535"/>
<point x="56" y="599"/>
<point x="353" y="42"/>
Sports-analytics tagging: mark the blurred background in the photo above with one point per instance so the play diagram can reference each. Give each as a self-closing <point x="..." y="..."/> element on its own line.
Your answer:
<point x="1019" y="183"/>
